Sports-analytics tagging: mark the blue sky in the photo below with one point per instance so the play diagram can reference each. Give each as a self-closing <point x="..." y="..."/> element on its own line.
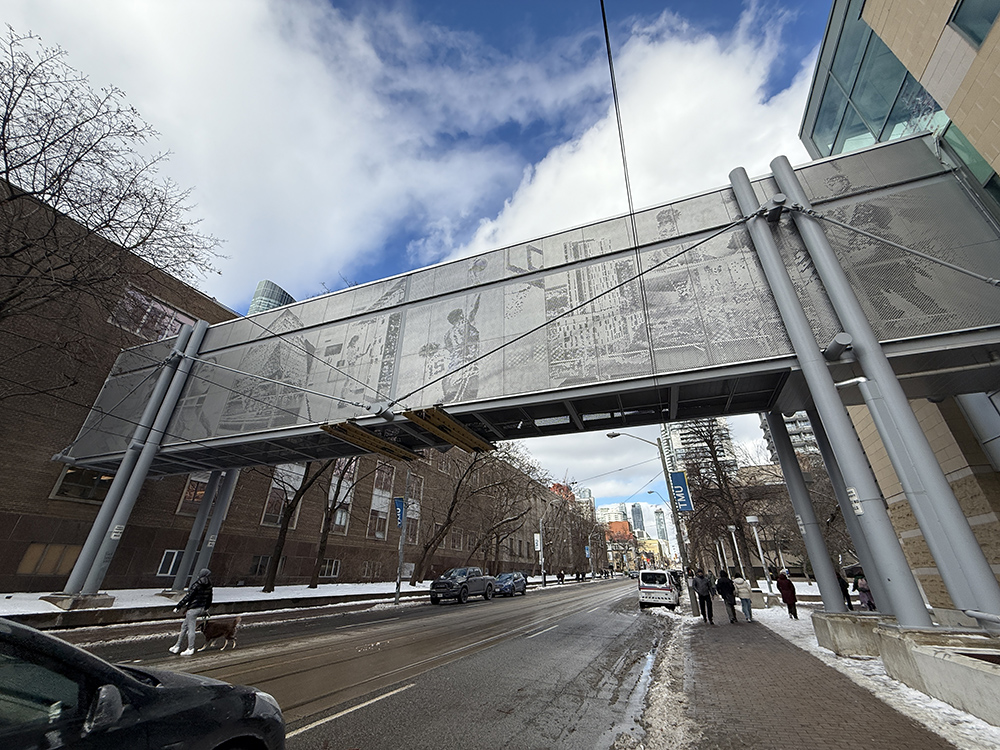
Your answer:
<point x="334" y="143"/>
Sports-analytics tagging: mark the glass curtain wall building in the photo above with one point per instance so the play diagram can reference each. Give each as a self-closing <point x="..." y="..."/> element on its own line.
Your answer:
<point x="862" y="94"/>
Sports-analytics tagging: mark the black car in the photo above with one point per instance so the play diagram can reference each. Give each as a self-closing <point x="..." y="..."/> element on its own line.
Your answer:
<point x="55" y="695"/>
<point x="509" y="584"/>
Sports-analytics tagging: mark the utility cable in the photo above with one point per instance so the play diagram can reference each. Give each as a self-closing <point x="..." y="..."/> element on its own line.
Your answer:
<point x="817" y="215"/>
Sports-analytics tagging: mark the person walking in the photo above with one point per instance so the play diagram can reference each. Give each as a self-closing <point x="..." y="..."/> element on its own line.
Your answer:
<point x="787" y="589"/>
<point x="705" y="590"/>
<point x="864" y="593"/>
<point x="727" y="590"/>
<point x="744" y="593"/>
<point x="845" y="591"/>
<point x="193" y="605"/>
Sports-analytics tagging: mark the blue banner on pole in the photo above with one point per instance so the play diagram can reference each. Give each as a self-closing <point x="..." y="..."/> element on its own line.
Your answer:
<point x="399" y="511"/>
<point x="679" y="487"/>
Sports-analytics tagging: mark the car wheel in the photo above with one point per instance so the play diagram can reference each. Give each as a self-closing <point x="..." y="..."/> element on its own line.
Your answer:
<point x="463" y="595"/>
<point x="435" y="599"/>
<point x="488" y="594"/>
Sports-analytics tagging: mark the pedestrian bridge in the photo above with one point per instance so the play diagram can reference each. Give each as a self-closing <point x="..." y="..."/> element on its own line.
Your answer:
<point x="615" y="324"/>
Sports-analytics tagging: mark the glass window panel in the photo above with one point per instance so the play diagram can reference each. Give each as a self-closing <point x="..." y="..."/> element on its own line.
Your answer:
<point x="878" y="84"/>
<point x="851" y="48"/>
<point x="975" y="18"/>
<point x="831" y="112"/>
<point x="854" y="134"/>
<point x="913" y="112"/>
<point x="968" y="154"/>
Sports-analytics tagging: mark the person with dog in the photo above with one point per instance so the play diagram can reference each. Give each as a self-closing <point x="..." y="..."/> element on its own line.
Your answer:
<point x="194" y="604"/>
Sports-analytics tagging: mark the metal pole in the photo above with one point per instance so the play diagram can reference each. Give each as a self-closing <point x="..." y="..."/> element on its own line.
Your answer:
<point x="200" y="519"/>
<point x="743" y="570"/>
<point x="945" y="557"/>
<point x="939" y="500"/>
<point x="541" y="545"/>
<point x="854" y="529"/>
<point x="760" y="553"/>
<point x="720" y="545"/>
<point x="402" y="535"/>
<point x="805" y="515"/>
<point x="905" y="597"/>
<point x="138" y="475"/>
<point x="85" y="560"/>
<point x="681" y="546"/>
<point x="219" y="510"/>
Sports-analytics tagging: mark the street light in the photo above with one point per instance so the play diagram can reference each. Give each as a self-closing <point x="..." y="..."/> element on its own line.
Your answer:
<point x="682" y="548"/>
<point x="753" y="521"/>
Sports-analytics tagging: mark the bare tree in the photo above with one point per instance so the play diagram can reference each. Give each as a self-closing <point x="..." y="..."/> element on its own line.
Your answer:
<point x="339" y="497"/>
<point x="67" y="150"/>
<point x="291" y="497"/>
<point x="479" y="478"/>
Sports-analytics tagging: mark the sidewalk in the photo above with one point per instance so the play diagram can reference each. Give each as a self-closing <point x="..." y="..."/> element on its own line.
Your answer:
<point x="768" y="685"/>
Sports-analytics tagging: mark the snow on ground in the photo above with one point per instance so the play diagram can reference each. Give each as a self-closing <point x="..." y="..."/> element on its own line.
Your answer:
<point x="965" y="731"/>
<point x="31" y="603"/>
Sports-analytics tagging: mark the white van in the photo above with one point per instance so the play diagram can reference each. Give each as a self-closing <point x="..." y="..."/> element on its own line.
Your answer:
<point x="659" y="588"/>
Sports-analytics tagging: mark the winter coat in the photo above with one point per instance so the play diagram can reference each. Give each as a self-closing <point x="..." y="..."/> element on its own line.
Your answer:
<point x="726" y="589"/>
<point x="199" y="596"/>
<point x="703" y="586"/>
<point x="742" y="588"/>
<point x="787" y="589"/>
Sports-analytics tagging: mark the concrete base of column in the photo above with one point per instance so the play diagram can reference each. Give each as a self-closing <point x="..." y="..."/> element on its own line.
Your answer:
<point x="79" y="601"/>
<point x="849" y="633"/>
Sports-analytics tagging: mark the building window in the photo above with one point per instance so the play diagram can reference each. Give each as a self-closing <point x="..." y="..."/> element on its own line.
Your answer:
<point x="42" y="559"/>
<point x="456" y="538"/>
<point x="378" y="517"/>
<point x="82" y="485"/>
<point x="258" y="564"/>
<point x="170" y="562"/>
<point x="974" y="18"/>
<point x="347" y="469"/>
<point x="330" y="568"/>
<point x="371" y="569"/>
<point x="148" y="318"/>
<point x="287" y="478"/>
<point x="194" y="491"/>
<point x="415" y="495"/>
<point x="520" y="548"/>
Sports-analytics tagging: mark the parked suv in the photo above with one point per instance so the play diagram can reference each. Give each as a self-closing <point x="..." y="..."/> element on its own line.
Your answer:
<point x="659" y="588"/>
<point x="54" y="695"/>
<point x="461" y="583"/>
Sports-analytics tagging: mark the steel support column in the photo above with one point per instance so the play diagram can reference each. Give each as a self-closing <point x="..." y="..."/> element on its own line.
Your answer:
<point x="899" y="583"/>
<point x="99" y="529"/>
<point x="219" y="510"/>
<point x="200" y="519"/>
<point x="970" y="574"/>
<point x="854" y="529"/>
<point x="819" y="557"/>
<point x="137" y="476"/>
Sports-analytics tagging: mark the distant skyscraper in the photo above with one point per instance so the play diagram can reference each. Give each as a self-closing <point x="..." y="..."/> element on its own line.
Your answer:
<point x="637" y="522"/>
<point x="268" y="296"/>
<point x="661" y="524"/>
<point x="609" y="513"/>
<point x="800" y="432"/>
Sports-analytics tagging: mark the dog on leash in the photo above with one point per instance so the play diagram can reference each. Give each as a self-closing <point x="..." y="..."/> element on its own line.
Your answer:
<point x="223" y="627"/>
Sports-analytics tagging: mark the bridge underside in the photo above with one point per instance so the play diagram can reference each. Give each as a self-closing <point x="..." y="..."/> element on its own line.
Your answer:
<point x="934" y="368"/>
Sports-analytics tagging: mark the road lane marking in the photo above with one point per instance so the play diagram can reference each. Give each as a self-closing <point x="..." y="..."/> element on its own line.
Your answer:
<point x="346" y="711"/>
<point x="543" y="631"/>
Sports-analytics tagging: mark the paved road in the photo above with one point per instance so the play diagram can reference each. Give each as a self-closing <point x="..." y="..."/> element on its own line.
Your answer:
<point x="560" y="667"/>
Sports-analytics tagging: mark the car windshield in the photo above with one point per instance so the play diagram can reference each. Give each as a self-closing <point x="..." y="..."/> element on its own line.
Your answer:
<point x="505" y="577"/>
<point x="655" y="579"/>
<point x="456" y="573"/>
